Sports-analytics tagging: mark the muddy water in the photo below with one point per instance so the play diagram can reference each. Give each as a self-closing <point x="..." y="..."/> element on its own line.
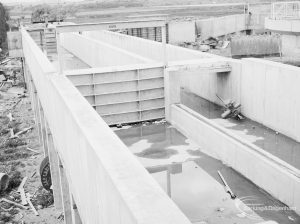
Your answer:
<point x="277" y="144"/>
<point x="194" y="184"/>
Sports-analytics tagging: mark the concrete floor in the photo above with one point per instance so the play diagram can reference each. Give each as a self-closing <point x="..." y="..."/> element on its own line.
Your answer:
<point x="279" y="145"/>
<point x="195" y="185"/>
<point x="71" y="62"/>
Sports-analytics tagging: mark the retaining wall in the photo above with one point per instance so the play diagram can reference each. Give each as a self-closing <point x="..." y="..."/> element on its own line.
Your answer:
<point x="268" y="91"/>
<point x="244" y="157"/>
<point x="96" y="53"/>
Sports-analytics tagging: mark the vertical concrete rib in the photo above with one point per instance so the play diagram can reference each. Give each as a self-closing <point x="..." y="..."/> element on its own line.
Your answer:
<point x="75" y="214"/>
<point x="65" y="194"/>
<point x="37" y="112"/>
<point x="54" y="168"/>
<point x="43" y="128"/>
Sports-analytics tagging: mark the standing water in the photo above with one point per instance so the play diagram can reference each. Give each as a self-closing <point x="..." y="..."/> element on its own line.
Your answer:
<point x="191" y="179"/>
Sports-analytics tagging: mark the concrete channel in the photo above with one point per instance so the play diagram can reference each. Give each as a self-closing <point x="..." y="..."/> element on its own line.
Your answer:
<point x="125" y="80"/>
<point x="194" y="180"/>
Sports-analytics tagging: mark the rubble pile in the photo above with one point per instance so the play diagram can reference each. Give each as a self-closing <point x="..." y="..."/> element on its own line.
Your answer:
<point x="22" y="196"/>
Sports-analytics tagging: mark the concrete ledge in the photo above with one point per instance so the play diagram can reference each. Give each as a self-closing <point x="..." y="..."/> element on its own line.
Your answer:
<point x="113" y="69"/>
<point x="223" y="146"/>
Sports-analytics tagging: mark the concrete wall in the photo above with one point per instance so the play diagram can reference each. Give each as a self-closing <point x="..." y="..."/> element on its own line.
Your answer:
<point x="283" y="25"/>
<point x="290" y="45"/>
<point x="96" y="53"/>
<point x="258" y="45"/>
<point x="268" y="91"/>
<point x="220" y="26"/>
<point x="245" y="158"/>
<point x="181" y="31"/>
<point x="123" y="94"/>
<point x="207" y="84"/>
<point x="108" y="183"/>
<point x="146" y="48"/>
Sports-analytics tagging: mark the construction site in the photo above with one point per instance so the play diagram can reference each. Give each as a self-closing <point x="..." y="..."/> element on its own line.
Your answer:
<point x="146" y="121"/>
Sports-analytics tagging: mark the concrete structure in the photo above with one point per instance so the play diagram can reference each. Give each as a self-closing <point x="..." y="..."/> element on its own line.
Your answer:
<point x="285" y="19"/>
<point x="214" y="27"/>
<point x="129" y="79"/>
<point x="181" y="31"/>
<point x="255" y="46"/>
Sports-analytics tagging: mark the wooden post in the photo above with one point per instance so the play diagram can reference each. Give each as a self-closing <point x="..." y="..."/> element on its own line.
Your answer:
<point x="65" y="194"/>
<point x="54" y="169"/>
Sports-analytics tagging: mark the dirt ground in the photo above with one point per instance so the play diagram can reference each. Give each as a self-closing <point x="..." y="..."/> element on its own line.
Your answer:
<point x="19" y="162"/>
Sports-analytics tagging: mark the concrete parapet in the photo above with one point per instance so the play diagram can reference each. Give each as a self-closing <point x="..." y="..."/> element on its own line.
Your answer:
<point x="98" y="54"/>
<point x="146" y="48"/>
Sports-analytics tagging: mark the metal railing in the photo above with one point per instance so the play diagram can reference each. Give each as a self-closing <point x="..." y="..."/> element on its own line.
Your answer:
<point x="285" y="10"/>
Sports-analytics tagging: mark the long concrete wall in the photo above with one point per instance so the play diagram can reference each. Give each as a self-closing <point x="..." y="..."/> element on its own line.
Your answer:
<point x="268" y="91"/>
<point x="259" y="45"/>
<point x="214" y="27"/>
<point x="146" y="48"/>
<point x="108" y="183"/>
<point x="98" y="54"/>
<point x="265" y="171"/>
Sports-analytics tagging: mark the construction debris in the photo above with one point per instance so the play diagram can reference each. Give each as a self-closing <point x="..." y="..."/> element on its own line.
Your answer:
<point x="20" y="132"/>
<point x="13" y="203"/>
<point x="232" y="109"/>
<point x="31" y="206"/>
<point x="22" y="191"/>
<point x="32" y="150"/>
<point x="227" y="188"/>
<point x="10" y="117"/>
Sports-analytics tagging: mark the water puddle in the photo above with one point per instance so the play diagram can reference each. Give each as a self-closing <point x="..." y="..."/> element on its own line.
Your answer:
<point x="191" y="179"/>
